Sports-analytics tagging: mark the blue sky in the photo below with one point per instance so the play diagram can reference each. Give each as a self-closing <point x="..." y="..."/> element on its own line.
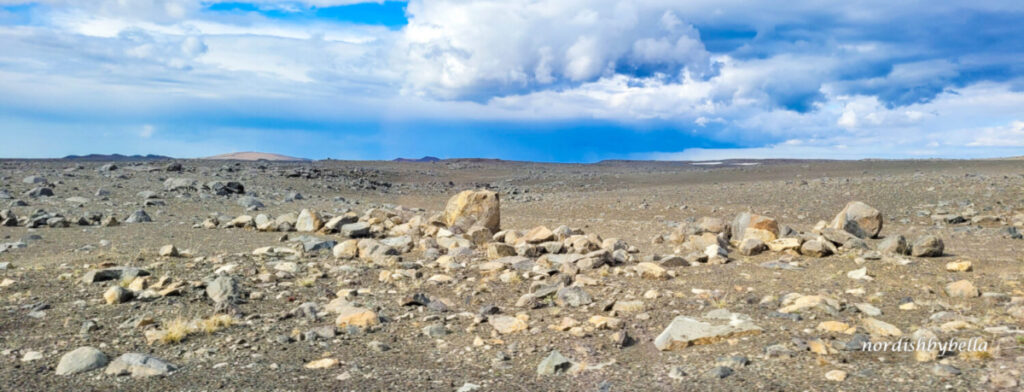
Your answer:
<point x="566" y="81"/>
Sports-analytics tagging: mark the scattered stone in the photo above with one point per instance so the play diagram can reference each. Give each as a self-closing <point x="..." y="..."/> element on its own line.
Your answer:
<point x="677" y="373"/>
<point x="224" y="289"/>
<point x="943" y="370"/>
<point x="868" y="309"/>
<point x="685" y="331"/>
<point x="752" y="246"/>
<point x="117" y="294"/>
<point x="651" y="270"/>
<point x="835" y="375"/>
<point x="180" y="184"/>
<point x="355" y="230"/>
<point x="927" y="246"/>
<point x="858" y="219"/>
<point x="572" y="296"/>
<point x="959" y="266"/>
<point x="356" y="317"/>
<point x="168" y="251"/>
<point x="139" y="216"/>
<point x="553" y="363"/>
<point x="925" y="354"/>
<point x="308" y="221"/>
<point x="325" y="363"/>
<point x="139" y="365"/>
<point x="507" y="324"/>
<point x="815" y="248"/>
<point x="859" y="274"/>
<point x="718" y="372"/>
<point x="962" y="289"/>
<point x="894" y="244"/>
<point x="880" y="328"/>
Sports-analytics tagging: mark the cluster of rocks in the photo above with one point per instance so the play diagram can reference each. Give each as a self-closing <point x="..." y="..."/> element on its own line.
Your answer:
<point x="85" y="359"/>
<point x="710" y="239"/>
<point x="41" y="218"/>
<point x="219" y="188"/>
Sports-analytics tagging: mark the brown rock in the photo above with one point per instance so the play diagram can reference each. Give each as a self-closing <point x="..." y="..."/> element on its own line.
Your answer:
<point x="858" y="219"/>
<point x="962" y="289"/>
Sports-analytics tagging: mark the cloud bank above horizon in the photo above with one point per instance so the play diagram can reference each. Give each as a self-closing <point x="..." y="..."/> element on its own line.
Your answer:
<point x="567" y="80"/>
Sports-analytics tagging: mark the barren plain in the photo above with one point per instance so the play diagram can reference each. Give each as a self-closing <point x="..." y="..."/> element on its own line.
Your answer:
<point x="615" y="276"/>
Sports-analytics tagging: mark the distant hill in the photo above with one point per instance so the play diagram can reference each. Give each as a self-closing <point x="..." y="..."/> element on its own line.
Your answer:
<point x="424" y="159"/>
<point x="255" y="156"/>
<point x="115" y="157"/>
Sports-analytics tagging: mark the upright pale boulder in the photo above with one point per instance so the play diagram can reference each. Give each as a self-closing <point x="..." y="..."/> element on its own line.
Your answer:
<point x="858" y="219"/>
<point x="480" y="207"/>
<point x="308" y="221"/>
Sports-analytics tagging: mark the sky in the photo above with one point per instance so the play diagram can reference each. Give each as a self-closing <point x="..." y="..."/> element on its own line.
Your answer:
<point x="541" y="80"/>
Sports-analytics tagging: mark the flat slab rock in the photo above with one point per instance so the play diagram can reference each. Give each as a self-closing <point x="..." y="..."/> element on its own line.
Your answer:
<point x="715" y="326"/>
<point x="139" y="365"/>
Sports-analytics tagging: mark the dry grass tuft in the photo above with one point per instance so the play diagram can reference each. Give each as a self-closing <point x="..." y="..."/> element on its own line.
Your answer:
<point x="178" y="329"/>
<point x="175" y="331"/>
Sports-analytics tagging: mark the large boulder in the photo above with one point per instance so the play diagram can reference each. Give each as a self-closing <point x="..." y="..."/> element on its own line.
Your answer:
<point x="224" y="289"/>
<point x="480" y="207"/>
<point x="747" y="225"/>
<point x="858" y="219"/>
<point x="80" y="360"/>
<point x="308" y="221"/>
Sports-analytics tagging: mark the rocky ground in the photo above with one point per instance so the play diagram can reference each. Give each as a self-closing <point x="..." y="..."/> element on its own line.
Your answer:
<point x="770" y="275"/>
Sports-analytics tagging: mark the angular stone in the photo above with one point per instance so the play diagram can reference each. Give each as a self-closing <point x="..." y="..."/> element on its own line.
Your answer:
<point x="958" y="266"/>
<point x="895" y="244"/>
<point x="308" y="221"/>
<point x="356" y="317"/>
<point x="506" y="324"/>
<point x="139" y="216"/>
<point x="224" y="289"/>
<point x="922" y="352"/>
<point x="880" y="328"/>
<point x="785" y="244"/>
<point x="962" y="289"/>
<point x="168" y="251"/>
<point x="651" y="270"/>
<point x="356" y="230"/>
<point x="553" y="363"/>
<point x="752" y="246"/>
<point x="835" y="375"/>
<point x="139" y="365"/>
<point x="815" y="248"/>
<point x="572" y="296"/>
<point x="346" y="250"/>
<point x="685" y="331"/>
<point x="927" y="246"/>
<point x="497" y="250"/>
<point x="834" y="326"/>
<point x="538" y="235"/>
<point x="116" y="295"/>
<point x="468" y="208"/>
<point x="324" y="363"/>
<point x="858" y="219"/>
<point x="180" y="184"/>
